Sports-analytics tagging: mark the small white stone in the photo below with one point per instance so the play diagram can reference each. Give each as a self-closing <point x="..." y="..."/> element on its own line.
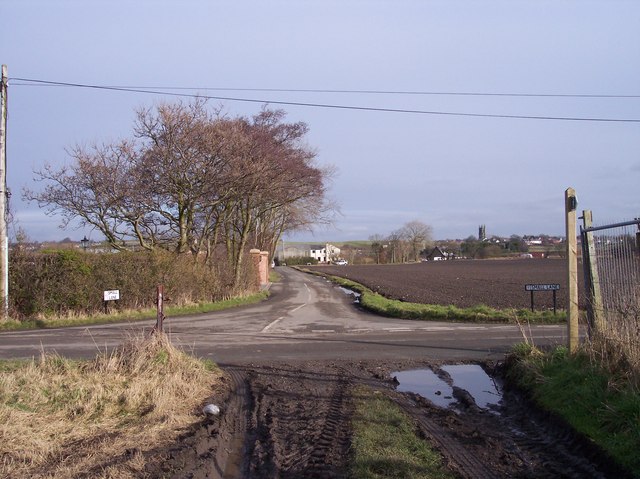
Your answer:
<point x="211" y="409"/>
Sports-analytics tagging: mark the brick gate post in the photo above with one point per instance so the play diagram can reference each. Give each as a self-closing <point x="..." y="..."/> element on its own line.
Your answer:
<point x="260" y="260"/>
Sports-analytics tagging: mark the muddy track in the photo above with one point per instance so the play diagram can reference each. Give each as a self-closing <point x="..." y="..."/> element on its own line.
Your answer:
<point x="299" y="425"/>
<point x="547" y="443"/>
<point x="515" y="439"/>
<point x="213" y="448"/>
<point x="463" y="459"/>
<point x="293" y="421"/>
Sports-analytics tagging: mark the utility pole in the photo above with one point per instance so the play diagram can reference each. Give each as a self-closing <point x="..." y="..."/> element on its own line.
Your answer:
<point x="4" y="242"/>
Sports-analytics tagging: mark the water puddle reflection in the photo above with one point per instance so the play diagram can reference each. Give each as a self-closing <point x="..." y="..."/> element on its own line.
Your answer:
<point x="350" y="292"/>
<point x="476" y="382"/>
<point x="427" y="384"/>
<point x="438" y="386"/>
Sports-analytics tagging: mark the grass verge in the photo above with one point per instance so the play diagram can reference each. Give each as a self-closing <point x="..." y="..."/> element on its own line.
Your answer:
<point x="131" y="315"/>
<point x="63" y="418"/>
<point x="432" y="312"/>
<point x="385" y="443"/>
<point x="597" y="402"/>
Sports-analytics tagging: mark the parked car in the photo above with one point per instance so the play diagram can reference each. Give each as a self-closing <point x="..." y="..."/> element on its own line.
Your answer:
<point x="342" y="262"/>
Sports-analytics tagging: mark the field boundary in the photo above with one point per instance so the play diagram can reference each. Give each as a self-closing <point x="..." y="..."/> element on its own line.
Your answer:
<point x="379" y="304"/>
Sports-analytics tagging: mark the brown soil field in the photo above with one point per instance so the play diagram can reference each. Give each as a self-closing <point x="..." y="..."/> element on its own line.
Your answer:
<point x="464" y="283"/>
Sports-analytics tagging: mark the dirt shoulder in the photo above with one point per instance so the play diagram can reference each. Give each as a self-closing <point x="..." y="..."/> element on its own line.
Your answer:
<point x="293" y="420"/>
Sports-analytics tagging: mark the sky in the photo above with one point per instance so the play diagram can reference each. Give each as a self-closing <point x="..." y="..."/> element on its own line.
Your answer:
<point x="453" y="172"/>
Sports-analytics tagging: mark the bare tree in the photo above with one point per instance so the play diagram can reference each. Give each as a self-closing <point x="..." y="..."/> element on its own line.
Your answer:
<point x="95" y="189"/>
<point x="417" y="234"/>
<point x="152" y="189"/>
<point x="377" y="246"/>
<point x="397" y="246"/>
<point x="191" y="179"/>
<point x="181" y="172"/>
<point x="274" y="176"/>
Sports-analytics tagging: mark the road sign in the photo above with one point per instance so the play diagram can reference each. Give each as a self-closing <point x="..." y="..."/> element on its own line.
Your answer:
<point x="541" y="287"/>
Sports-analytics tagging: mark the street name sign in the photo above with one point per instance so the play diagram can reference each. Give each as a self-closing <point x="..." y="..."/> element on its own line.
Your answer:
<point x="542" y="287"/>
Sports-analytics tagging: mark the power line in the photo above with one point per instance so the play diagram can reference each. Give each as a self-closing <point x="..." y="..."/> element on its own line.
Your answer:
<point x="319" y="90"/>
<point x="154" y="91"/>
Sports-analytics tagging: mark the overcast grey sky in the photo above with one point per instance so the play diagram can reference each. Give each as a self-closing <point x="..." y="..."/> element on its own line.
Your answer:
<point x="452" y="172"/>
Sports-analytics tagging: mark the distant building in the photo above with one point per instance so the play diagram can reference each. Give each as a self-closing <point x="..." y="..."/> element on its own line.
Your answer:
<point x="291" y="251"/>
<point x="325" y="254"/>
<point x="482" y="233"/>
<point x="437" y="254"/>
<point x="534" y="241"/>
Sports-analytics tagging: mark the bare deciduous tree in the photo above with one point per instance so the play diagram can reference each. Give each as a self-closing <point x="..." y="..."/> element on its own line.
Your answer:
<point x="417" y="234"/>
<point x="190" y="180"/>
<point x="95" y="189"/>
<point x="377" y="247"/>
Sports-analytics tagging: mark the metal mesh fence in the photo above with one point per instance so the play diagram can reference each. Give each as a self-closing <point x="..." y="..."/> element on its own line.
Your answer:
<point x="613" y="251"/>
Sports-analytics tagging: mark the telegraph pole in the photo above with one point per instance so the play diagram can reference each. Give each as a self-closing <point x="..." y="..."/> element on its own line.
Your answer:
<point x="4" y="243"/>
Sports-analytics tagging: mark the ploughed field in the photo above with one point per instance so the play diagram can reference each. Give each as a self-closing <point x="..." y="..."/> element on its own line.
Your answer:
<point x="464" y="283"/>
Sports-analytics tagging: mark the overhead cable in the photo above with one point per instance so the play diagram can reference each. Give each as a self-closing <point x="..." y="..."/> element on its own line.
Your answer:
<point x="149" y="90"/>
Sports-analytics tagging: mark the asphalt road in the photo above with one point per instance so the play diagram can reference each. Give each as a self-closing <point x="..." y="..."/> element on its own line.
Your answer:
<point x="305" y="318"/>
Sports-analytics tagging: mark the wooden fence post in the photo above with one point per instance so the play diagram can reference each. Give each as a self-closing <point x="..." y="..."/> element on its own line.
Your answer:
<point x="590" y="264"/>
<point x="573" y="333"/>
<point x="160" y="308"/>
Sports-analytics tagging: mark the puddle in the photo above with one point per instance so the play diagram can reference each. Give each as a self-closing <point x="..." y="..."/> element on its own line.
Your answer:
<point x="427" y="384"/>
<point x="476" y="382"/>
<point x="470" y="377"/>
<point x="350" y="292"/>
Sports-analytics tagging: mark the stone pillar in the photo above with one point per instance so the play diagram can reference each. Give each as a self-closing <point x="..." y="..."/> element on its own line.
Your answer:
<point x="260" y="260"/>
<point x="264" y="268"/>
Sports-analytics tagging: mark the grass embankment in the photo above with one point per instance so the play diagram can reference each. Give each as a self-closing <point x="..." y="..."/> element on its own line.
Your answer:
<point x="385" y="443"/>
<point x="130" y="315"/>
<point x="63" y="418"/>
<point x="601" y="402"/>
<point x="432" y="312"/>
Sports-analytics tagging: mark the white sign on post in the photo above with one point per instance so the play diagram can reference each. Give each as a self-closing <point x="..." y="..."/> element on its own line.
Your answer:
<point x="112" y="295"/>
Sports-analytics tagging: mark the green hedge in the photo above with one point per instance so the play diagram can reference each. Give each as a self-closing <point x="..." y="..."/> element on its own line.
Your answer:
<point x="58" y="282"/>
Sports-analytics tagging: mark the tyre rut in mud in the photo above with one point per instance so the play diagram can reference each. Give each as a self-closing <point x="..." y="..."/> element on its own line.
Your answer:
<point x="299" y="426"/>
<point x="294" y="421"/>
<point x="212" y="448"/>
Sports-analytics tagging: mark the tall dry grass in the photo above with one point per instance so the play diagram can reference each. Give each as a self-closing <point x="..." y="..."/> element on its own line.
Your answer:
<point x="62" y="418"/>
<point x="616" y="342"/>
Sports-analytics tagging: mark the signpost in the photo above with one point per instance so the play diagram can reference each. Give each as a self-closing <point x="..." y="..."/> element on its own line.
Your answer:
<point x="160" y="307"/>
<point x="543" y="287"/>
<point x="110" y="295"/>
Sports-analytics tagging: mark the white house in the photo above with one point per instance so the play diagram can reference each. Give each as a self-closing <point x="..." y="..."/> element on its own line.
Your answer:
<point x="325" y="255"/>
